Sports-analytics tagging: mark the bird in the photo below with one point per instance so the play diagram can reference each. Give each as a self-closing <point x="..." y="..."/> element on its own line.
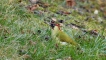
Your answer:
<point x="57" y="32"/>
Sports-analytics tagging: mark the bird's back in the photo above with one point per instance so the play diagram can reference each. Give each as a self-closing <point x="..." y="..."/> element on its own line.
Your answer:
<point x="65" y="38"/>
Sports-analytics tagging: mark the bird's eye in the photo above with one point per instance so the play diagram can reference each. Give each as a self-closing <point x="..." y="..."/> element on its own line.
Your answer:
<point x="52" y="25"/>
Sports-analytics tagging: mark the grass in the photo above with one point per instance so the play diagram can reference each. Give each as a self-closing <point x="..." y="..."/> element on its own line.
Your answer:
<point x="20" y="38"/>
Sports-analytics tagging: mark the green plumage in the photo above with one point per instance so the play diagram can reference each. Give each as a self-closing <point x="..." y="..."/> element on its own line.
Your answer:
<point x="62" y="36"/>
<point x="65" y="38"/>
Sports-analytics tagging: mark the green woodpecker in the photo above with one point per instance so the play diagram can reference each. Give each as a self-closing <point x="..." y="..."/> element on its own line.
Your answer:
<point x="61" y="35"/>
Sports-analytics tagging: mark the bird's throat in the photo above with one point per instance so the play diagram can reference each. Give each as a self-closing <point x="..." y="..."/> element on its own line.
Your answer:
<point x="58" y="27"/>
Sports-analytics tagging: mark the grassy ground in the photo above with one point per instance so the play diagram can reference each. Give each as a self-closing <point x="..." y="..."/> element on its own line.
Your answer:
<point x="26" y="36"/>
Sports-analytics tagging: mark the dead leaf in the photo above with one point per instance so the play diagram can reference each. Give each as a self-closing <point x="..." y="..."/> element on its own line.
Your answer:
<point x="31" y="8"/>
<point x="46" y="5"/>
<point x="70" y="3"/>
<point x="54" y="19"/>
<point x="65" y="13"/>
<point x="94" y="32"/>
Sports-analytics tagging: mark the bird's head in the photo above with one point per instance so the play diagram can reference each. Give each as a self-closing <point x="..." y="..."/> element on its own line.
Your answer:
<point x="57" y="25"/>
<point x="52" y="24"/>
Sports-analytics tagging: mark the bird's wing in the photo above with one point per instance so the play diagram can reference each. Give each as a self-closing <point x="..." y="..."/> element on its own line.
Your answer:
<point x="65" y="38"/>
